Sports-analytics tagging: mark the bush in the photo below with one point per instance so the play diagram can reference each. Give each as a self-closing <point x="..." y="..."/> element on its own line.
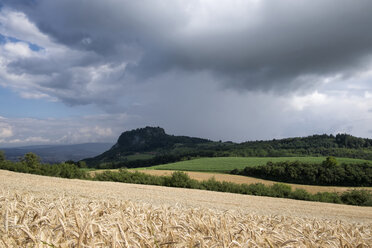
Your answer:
<point x="327" y="197"/>
<point x="258" y="189"/>
<point x="181" y="180"/>
<point x="125" y="176"/>
<point x="281" y="190"/>
<point x="357" y="197"/>
<point x="301" y="194"/>
<point x="30" y="163"/>
<point x="210" y="184"/>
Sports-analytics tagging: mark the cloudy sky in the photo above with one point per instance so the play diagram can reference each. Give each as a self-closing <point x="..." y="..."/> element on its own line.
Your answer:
<point x="74" y="71"/>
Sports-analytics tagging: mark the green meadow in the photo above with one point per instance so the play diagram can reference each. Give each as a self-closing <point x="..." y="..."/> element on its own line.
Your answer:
<point x="226" y="164"/>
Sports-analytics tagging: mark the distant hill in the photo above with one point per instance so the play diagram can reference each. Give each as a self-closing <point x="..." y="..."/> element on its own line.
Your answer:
<point x="58" y="153"/>
<point x="152" y="139"/>
<point x="151" y="146"/>
<point x="146" y="144"/>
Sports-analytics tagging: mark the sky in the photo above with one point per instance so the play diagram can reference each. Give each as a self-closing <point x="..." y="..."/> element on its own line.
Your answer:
<point x="77" y="71"/>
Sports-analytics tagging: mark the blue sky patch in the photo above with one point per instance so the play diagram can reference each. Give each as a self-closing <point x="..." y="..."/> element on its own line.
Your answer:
<point x="4" y="39"/>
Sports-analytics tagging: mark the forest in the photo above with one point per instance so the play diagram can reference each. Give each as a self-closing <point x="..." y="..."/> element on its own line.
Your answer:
<point x="328" y="173"/>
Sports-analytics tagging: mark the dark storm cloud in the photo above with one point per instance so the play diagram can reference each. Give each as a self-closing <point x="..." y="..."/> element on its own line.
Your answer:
<point x="255" y="45"/>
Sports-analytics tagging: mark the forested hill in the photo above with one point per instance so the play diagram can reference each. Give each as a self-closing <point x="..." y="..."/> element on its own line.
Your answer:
<point x="341" y="145"/>
<point x="314" y="141"/>
<point x="151" y="145"/>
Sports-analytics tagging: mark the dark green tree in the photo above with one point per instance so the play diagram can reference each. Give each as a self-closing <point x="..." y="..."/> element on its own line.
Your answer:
<point x="330" y="162"/>
<point x="2" y="156"/>
<point x="31" y="160"/>
<point x="82" y="164"/>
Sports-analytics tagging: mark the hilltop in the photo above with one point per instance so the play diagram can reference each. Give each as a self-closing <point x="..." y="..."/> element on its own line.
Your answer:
<point x="152" y="138"/>
<point x="152" y="145"/>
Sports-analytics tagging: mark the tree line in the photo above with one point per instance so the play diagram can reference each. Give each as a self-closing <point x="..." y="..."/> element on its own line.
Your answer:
<point x="30" y="163"/>
<point x="329" y="173"/>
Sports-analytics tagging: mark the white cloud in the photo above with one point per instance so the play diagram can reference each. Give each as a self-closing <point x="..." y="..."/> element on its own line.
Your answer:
<point x="94" y="131"/>
<point x="35" y="95"/>
<point x="73" y="130"/>
<point x="16" y="24"/>
<point x="30" y="140"/>
<point x="55" y="72"/>
<point x="309" y="100"/>
<point x="18" y="49"/>
<point x="5" y="130"/>
<point x="367" y="95"/>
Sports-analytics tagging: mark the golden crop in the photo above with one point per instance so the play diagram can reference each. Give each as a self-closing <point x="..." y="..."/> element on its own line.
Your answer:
<point x="37" y="211"/>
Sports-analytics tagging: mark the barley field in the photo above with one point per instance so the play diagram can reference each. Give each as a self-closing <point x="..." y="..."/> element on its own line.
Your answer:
<point x="38" y="211"/>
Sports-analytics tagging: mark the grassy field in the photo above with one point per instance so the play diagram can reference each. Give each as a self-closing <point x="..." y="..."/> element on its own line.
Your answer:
<point x="39" y="211"/>
<point x="226" y="164"/>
